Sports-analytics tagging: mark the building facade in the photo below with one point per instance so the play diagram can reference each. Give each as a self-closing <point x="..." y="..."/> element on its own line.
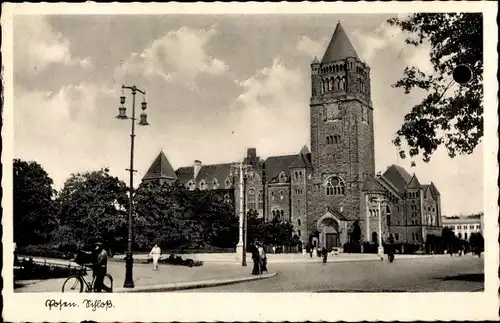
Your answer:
<point x="325" y="190"/>
<point x="464" y="226"/>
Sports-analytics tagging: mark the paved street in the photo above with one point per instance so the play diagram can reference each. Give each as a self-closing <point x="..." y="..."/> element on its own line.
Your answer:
<point x="437" y="274"/>
<point x="144" y="276"/>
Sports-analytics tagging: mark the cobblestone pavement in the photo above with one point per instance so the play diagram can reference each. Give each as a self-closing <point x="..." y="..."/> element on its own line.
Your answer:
<point x="144" y="275"/>
<point x="439" y="274"/>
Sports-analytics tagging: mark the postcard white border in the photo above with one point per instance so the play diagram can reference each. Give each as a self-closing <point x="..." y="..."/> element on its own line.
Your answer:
<point x="271" y="307"/>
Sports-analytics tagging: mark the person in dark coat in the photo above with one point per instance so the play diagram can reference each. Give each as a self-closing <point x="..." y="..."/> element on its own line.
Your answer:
<point x="263" y="259"/>
<point x="100" y="267"/>
<point x="255" y="258"/>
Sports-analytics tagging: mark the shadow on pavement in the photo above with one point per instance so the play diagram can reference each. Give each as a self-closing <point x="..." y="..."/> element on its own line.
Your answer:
<point x="465" y="277"/>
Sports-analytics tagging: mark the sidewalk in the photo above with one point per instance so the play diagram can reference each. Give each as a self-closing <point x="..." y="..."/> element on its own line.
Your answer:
<point x="167" y="278"/>
<point x="231" y="258"/>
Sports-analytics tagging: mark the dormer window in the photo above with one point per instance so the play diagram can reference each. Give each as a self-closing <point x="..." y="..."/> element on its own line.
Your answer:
<point x="282" y="177"/>
<point x="203" y="185"/>
<point x="228" y="183"/>
<point x="215" y="184"/>
<point x="190" y="185"/>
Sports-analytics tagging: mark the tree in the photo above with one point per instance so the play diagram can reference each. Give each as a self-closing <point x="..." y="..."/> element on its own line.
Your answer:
<point x="456" y="119"/>
<point x="34" y="213"/>
<point x="356" y="233"/>
<point x="93" y="206"/>
<point x="215" y="216"/>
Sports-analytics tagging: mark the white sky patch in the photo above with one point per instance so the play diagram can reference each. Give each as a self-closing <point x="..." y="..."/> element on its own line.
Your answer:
<point x="37" y="46"/>
<point x="312" y="47"/>
<point x="179" y="55"/>
<point x="274" y="106"/>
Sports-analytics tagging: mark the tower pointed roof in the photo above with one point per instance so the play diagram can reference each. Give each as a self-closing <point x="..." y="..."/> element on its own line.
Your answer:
<point x="160" y="168"/>
<point x="340" y="47"/>
<point x="414" y="183"/>
<point x="305" y="150"/>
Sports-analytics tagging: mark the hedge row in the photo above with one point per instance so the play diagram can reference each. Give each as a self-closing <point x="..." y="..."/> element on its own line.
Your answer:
<point x="171" y="260"/>
<point x="28" y="269"/>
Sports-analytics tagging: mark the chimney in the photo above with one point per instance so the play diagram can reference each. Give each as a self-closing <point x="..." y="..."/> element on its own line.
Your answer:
<point x="196" y="168"/>
<point x="251" y="153"/>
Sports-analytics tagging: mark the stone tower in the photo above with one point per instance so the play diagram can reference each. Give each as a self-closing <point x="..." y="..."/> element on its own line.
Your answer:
<point x="342" y="145"/>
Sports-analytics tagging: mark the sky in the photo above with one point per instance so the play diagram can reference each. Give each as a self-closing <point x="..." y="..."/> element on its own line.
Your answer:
<point x="215" y="86"/>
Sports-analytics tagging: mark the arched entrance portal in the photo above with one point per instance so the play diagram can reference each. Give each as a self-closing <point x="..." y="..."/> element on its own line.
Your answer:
<point x="328" y="228"/>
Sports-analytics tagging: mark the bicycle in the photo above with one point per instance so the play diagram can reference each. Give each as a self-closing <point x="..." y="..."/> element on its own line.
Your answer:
<point x="76" y="282"/>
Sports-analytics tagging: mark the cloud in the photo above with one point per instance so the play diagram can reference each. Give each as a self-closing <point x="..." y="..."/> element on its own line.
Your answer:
<point x="312" y="47"/>
<point x="59" y="129"/>
<point x="37" y="45"/>
<point x="375" y="44"/>
<point x="273" y="105"/>
<point x="179" y="55"/>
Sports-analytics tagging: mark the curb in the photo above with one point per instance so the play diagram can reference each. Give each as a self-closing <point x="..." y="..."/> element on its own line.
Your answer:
<point x="192" y="285"/>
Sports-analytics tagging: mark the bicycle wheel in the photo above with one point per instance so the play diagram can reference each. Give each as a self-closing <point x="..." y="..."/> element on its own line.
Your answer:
<point x="108" y="283"/>
<point x="73" y="284"/>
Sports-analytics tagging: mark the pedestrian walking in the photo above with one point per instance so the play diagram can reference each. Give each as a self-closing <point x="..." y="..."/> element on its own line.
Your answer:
<point x="155" y="254"/>
<point x="255" y="258"/>
<point x="324" y="253"/>
<point x="263" y="259"/>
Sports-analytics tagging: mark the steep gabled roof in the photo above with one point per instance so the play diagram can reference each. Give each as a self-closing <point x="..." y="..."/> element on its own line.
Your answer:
<point x="340" y="47"/>
<point x="398" y="177"/>
<point x="305" y="150"/>
<point x="275" y="165"/>
<point x="371" y="185"/>
<point x="185" y="174"/>
<point x="160" y="169"/>
<point x="414" y="183"/>
<point x="434" y="190"/>
<point x="217" y="171"/>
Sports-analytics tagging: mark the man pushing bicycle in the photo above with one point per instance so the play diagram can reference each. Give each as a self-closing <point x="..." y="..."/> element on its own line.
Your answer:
<point x="100" y="267"/>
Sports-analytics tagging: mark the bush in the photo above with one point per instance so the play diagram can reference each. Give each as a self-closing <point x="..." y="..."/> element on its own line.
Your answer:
<point x="45" y="251"/>
<point x="31" y="270"/>
<point x="352" y="248"/>
<point x="172" y="260"/>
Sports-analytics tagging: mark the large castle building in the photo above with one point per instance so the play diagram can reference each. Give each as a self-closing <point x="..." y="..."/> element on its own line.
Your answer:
<point x="325" y="190"/>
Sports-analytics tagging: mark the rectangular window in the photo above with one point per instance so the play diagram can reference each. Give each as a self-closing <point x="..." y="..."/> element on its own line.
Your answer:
<point x="397" y="236"/>
<point x="413" y="236"/>
<point x="416" y="236"/>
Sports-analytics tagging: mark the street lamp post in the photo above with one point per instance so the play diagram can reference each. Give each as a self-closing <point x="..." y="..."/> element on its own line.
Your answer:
<point x="240" y="169"/>
<point x="129" y="261"/>
<point x="244" y="251"/>
<point x="380" y="249"/>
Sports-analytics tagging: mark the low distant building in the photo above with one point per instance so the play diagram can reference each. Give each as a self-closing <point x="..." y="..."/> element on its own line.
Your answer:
<point x="464" y="226"/>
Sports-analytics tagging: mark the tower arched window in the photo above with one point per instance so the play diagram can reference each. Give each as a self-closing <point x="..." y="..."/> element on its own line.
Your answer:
<point x="228" y="183"/>
<point x="282" y="215"/>
<point x="282" y="195"/>
<point x="272" y="196"/>
<point x="342" y="84"/>
<point x="334" y="186"/>
<point x="251" y="199"/>
<point x="261" y="200"/>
